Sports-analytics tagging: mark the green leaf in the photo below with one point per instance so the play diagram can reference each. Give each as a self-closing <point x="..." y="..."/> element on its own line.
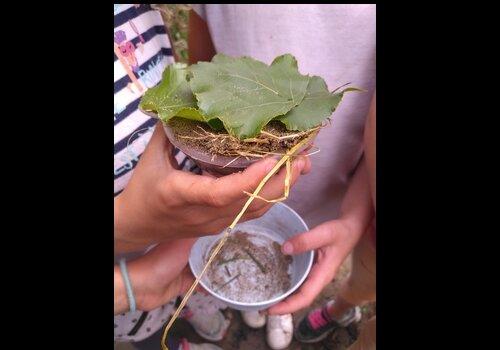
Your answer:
<point x="190" y="113"/>
<point x="245" y="94"/>
<point x="216" y="124"/>
<point x="172" y="96"/>
<point x="317" y="105"/>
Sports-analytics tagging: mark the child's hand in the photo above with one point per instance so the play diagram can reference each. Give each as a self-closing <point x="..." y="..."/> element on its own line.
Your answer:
<point x="334" y="240"/>
<point x="156" y="277"/>
<point x="162" y="203"/>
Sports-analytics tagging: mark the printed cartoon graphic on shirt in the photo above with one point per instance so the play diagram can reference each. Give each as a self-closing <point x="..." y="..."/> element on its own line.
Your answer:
<point x="125" y="51"/>
<point x="148" y="77"/>
<point x="140" y="45"/>
<point x="142" y="71"/>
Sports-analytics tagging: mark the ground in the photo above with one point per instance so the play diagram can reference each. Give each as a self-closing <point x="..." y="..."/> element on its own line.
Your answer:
<point x="241" y="337"/>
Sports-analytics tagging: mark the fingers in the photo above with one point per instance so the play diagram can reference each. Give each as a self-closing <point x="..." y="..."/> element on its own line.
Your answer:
<point x="223" y="191"/>
<point x="226" y="190"/>
<point x="187" y="280"/>
<point x="159" y="138"/>
<point x="275" y="187"/>
<point x="321" y="274"/>
<point x="176" y="287"/>
<point x="231" y="188"/>
<point x="199" y="288"/>
<point x="217" y="201"/>
<point x="320" y="236"/>
<point x="307" y="163"/>
<point x="250" y="215"/>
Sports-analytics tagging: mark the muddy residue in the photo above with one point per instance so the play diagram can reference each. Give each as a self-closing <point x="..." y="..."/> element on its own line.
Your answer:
<point x="249" y="268"/>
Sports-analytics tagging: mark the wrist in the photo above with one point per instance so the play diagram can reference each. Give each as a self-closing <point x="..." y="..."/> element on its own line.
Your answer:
<point x="135" y="273"/>
<point x="122" y="227"/>
<point x="120" y="299"/>
<point x="119" y="219"/>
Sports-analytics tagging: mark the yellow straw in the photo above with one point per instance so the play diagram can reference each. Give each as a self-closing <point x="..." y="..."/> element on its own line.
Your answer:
<point x="254" y="195"/>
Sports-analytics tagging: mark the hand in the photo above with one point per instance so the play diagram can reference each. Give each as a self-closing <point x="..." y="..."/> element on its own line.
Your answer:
<point x="334" y="240"/>
<point x="156" y="277"/>
<point x="161" y="202"/>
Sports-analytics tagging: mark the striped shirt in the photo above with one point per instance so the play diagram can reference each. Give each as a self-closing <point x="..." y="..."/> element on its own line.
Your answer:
<point x="142" y="50"/>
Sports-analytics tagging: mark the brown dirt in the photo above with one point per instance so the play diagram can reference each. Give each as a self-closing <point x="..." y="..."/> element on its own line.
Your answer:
<point x="242" y="337"/>
<point x="202" y="137"/>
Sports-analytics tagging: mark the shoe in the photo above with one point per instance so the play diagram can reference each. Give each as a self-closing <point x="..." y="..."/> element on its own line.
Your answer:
<point x="253" y="319"/>
<point x="279" y="331"/>
<point x="212" y="327"/>
<point x="317" y="324"/>
<point x="185" y="345"/>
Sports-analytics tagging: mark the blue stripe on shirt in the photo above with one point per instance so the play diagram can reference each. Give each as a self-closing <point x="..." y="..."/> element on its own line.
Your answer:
<point x="131" y="108"/>
<point x="126" y="168"/>
<point x="183" y="163"/>
<point x="131" y="13"/>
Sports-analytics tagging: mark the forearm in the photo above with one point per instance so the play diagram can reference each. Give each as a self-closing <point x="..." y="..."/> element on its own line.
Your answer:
<point x="357" y="209"/>
<point x="122" y="224"/>
<point x="121" y="246"/>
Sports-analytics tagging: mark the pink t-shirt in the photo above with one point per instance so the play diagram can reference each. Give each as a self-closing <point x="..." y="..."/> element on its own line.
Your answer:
<point x="336" y="42"/>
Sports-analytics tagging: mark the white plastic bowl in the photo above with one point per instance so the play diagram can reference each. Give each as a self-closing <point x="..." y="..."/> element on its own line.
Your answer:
<point x="280" y="223"/>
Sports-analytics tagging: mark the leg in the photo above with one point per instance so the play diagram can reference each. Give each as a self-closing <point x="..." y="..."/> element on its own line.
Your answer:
<point x="360" y="288"/>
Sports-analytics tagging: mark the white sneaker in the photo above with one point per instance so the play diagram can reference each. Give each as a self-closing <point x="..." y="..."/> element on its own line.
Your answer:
<point x="212" y="327"/>
<point x="279" y="331"/>
<point x="253" y="319"/>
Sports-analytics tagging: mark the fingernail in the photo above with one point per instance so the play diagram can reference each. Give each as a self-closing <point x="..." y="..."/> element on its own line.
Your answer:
<point x="287" y="248"/>
<point x="301" y="163"/>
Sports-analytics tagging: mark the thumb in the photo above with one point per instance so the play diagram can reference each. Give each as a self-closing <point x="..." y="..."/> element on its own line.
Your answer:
<point x="233" y="185"/>
<point x="222" y="191"/>
<point x="320" y="236"/>
<point x="187" y="279"/>
<point x="159" y="148"/>
<point x="178" y="286"/>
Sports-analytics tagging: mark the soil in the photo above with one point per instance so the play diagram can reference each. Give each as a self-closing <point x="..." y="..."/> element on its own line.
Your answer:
<point x="249" y="268"/>
<point x="200" y="136"/>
